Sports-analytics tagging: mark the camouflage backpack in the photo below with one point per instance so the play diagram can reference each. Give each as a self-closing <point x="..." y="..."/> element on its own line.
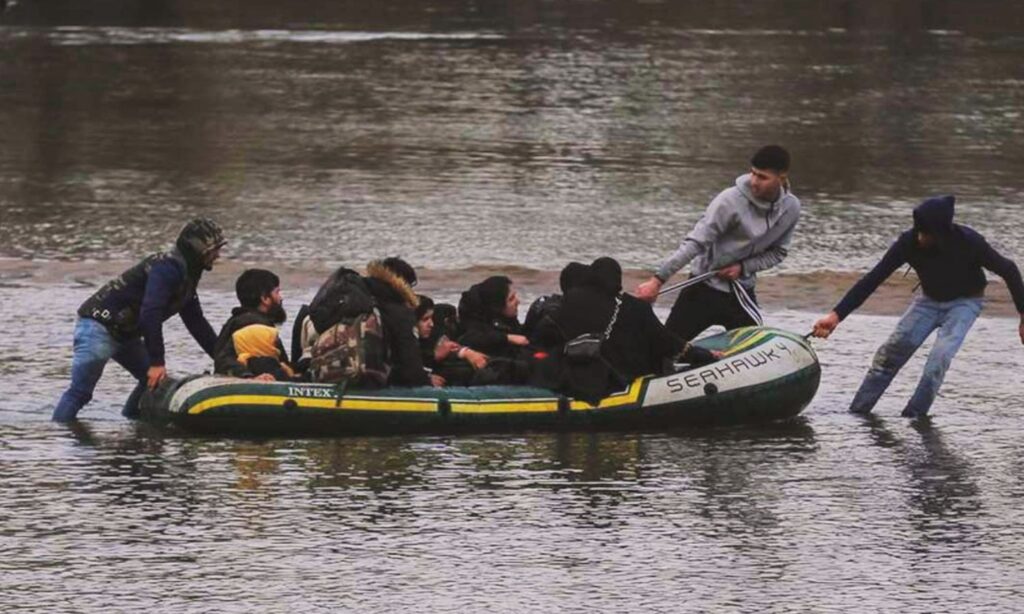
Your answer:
<point x="352" y="352"/>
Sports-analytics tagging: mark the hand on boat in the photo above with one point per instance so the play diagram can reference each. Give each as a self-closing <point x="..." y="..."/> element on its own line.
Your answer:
<point x="648" y="291"/>
<point x="265" y="377"/>
<point x="155" y="375"/>
<point x="436" y="381"/>
<point x="824" y="327"/>
<point x="731" y="272"/>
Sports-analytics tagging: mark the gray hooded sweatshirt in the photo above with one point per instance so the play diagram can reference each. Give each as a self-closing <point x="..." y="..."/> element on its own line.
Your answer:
<point x="737" y="227"/>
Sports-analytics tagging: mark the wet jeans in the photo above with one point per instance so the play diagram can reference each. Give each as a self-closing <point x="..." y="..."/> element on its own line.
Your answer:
<point x="952" y="318"/>
<point x="93" y="347"/>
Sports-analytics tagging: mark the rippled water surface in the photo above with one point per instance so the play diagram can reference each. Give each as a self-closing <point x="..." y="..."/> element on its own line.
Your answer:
<point x="525" y="133"/>
<point x="830" y="512"/>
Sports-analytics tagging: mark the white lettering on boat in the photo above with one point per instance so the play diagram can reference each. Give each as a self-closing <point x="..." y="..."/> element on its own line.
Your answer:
<point x="751" y="361"/>
<point x="310" y="392"/>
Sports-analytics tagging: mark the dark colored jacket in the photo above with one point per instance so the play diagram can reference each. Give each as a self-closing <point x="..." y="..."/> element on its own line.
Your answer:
<point x="950" y="270"/>
<point x="639" y="343"/>
<point x="485" y="331"/>
<point x="225" y="359"/>
<point x="139" y="301"/>
<point x="396" y="302"/>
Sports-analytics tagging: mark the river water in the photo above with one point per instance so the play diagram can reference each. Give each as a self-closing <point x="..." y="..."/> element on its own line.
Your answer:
<point x="473" y="137"/>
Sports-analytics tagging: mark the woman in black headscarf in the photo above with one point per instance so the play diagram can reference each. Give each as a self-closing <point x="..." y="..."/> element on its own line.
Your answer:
<point x="488" y="315"/>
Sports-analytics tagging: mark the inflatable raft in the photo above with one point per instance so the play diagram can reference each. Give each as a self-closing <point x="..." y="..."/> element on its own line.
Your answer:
<point x="765" y="374"/>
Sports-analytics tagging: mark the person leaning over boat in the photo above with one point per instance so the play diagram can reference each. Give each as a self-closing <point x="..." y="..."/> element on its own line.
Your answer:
<point x="391" y="282"/>
<point x="948" y="259"/>
<point x="249" y="345"/>
<point x="123" y="320"/>
<point x="746" y="229"/>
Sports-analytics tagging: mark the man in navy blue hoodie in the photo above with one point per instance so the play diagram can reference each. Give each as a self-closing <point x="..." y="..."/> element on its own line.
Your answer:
<point x="948" y="259"/>
<point x="124" y="319"/>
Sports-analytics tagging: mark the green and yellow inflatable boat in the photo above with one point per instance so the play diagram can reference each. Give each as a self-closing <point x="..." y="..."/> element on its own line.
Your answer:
<point x="765" y="374"/>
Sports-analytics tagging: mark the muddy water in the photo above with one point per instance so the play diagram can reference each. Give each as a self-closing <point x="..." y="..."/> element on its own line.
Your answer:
<point x="481" y="137"/>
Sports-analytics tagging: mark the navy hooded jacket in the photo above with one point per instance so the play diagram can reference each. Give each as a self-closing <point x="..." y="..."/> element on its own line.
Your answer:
<point x="949" y="270"/>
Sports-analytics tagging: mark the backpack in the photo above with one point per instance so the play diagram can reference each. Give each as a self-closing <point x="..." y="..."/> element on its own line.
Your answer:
<point x="545" y="307"/>
<point x="586" y="373"/>
<point x="344" y="295"/>
<point x="351" y="352"/>
<point x="349" y="347"/>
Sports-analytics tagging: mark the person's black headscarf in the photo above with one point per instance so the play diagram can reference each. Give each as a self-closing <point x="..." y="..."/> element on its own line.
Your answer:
<point x="485" y="300"/>
<point x="606" y="276"/>
<point x="574" y="274"/>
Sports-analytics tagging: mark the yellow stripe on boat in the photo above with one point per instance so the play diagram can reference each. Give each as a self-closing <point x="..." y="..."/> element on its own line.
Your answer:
<point x="754" y="339"/>
<point x="630" y="395"/>
<point x="509" y="407"/>
<point x="355" y="404"/>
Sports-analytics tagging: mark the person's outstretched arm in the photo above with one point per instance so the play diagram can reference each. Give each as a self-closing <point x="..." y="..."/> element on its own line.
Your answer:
<point x="865" y="287"/>
<point x="1005" y="268"/>
<point x="709" y="228"/>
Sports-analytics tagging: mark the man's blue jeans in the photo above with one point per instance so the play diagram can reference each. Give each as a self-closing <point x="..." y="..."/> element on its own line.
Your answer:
<point x="952" y="318"/>
<point x="94" y="346"/>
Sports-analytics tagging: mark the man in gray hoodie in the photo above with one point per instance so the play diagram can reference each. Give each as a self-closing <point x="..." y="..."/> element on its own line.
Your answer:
<point x="746" y="228"/>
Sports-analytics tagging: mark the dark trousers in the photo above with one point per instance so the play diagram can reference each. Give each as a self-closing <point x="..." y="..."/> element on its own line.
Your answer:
<point x="699" y="307"/>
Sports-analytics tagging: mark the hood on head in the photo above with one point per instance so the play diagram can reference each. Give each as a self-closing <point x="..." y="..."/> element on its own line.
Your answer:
<point x="377" y="270"/>
<point x="198" y="237"/>
<point x="574" y="274"/>
<point x="606" y="275"/>
<point x="935" y="215"/>
<point x="485" y="300"/>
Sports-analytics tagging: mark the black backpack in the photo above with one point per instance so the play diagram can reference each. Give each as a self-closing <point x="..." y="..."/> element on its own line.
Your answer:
<point x="343" y="296"/>
<point x="545" y="307"/>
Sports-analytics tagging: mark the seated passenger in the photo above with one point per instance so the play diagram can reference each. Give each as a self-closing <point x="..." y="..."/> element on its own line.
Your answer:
<point x="447" y="361"/>
<point x="359" y="331"/>
<point x="540" y="327"/>
<point x="390" y="282"/>
<point x="637" y="343"/>
<point x="248" y="344"/>
<point x="446" y="321"/>
<point x="303" y="336"/>
<point x="488" y="318"/>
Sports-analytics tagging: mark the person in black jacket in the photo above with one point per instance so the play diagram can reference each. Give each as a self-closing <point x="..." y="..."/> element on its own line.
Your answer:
<point x="540" y="326"/>
<point x="249" y="345"/>
<point x="489" y="318"/>
<point x="637" y="344"/>
<point x="390" y="282"/>
<point x="123" y="320"/>
<point x="948" y="259"/>
<point x="448" y="362"/>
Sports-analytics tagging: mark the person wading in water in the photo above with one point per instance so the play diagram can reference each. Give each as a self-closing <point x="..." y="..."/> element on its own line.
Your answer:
<point x="124" y="319"/>
<point x="948" y="259"/>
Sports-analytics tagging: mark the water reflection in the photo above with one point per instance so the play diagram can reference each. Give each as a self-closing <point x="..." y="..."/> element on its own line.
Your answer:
<point x="942" y="492"/>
